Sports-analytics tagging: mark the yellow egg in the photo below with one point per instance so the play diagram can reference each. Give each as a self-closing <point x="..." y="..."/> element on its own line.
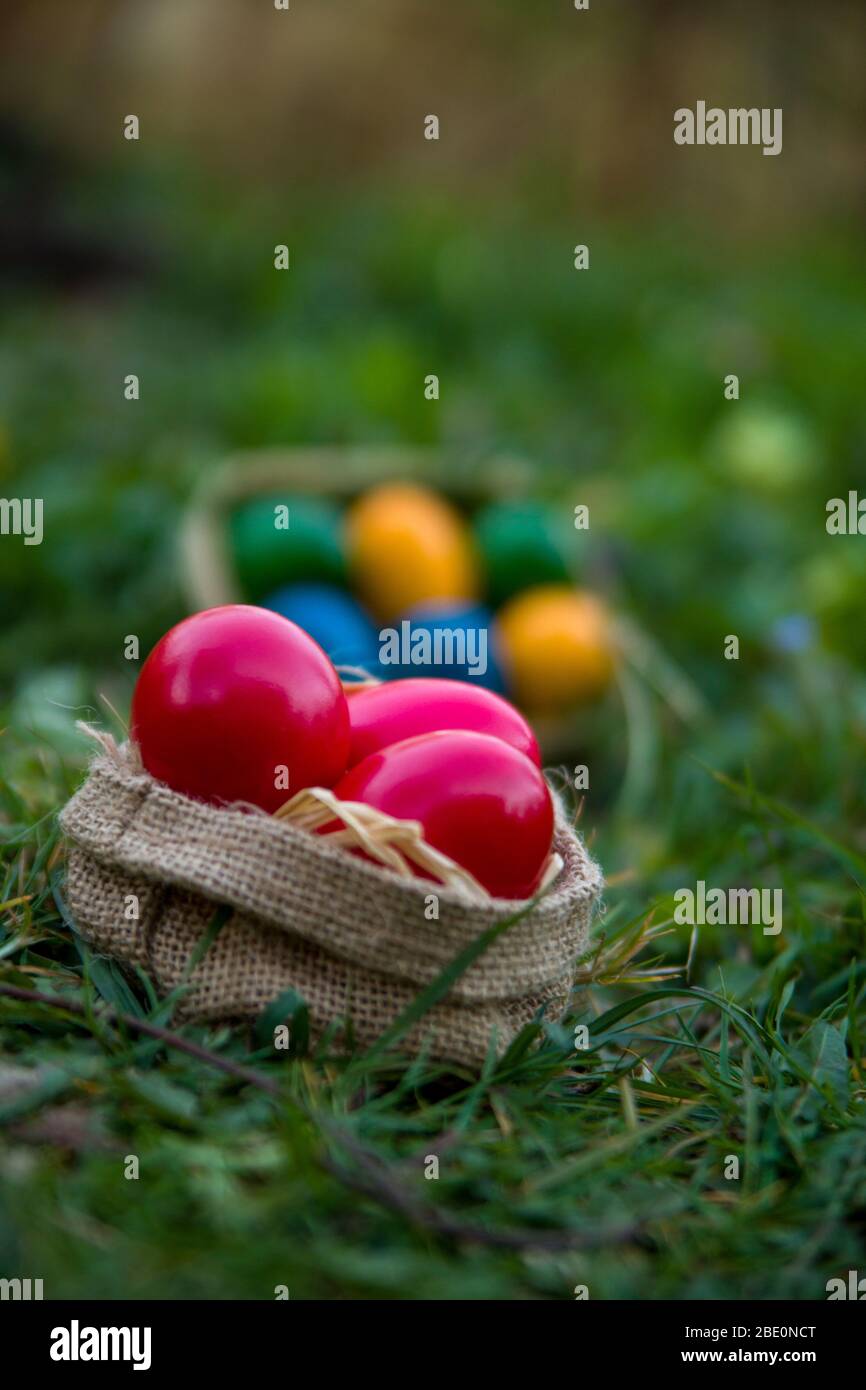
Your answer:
<point x="407" y="546"/>
<point x="557" y="646"/>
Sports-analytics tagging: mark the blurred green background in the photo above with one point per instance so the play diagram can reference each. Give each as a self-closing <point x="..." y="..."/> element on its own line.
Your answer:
<point x="456" y="257"/>
<point x="707" y="519"/>
<point x="408" y="256"/>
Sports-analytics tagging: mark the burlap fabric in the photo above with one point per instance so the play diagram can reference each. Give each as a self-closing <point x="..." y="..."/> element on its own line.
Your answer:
<point x="350" y="937"/>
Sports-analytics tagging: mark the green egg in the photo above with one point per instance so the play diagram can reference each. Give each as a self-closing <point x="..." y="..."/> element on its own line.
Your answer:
<point x="522" y="544"/>
<point x="281" y="540"/>
<point x="766" y="448"/>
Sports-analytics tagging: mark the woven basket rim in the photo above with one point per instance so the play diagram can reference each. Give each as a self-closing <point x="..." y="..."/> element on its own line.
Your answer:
<point x="327" y="471"/>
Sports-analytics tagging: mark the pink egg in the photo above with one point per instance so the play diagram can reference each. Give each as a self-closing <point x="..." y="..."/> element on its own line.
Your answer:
<point x="477" y="799"/>
<point x="397" y="710"/>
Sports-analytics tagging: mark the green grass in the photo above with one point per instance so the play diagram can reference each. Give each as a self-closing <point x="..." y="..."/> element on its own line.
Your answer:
<point x="602" y="1167"/>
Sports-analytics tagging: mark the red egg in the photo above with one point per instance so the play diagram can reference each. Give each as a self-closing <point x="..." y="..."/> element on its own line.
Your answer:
<point x="479" y="800"/>
<point x="397" y="710"/>
<point x="230" y="697"/>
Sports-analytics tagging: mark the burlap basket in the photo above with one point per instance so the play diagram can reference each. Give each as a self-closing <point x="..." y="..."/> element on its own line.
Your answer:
<point x="350" y="937"/>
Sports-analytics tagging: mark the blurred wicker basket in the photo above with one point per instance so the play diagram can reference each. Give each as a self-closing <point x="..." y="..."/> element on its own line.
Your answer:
<point x="336" y="473"/>
<point x="341" y="473"/>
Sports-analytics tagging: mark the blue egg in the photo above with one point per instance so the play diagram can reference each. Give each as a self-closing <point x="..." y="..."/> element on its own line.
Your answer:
<point x="453" y="641"/>
<point x="335" y="619"/>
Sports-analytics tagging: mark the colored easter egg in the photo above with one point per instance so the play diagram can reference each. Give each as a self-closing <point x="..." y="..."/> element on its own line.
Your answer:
<point x="334" y="618"/>
<point x="765" y="448"/>
<point x="277" y="540"/>
<point x="478" y="800"/>
<point x="386" y="714"/>
<point x="238" y="704"/>
<point x="406" y="546"/>
<point x="521" y="544"/>
<point x="557" y="646"/>
<point x="451" y="641"/>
